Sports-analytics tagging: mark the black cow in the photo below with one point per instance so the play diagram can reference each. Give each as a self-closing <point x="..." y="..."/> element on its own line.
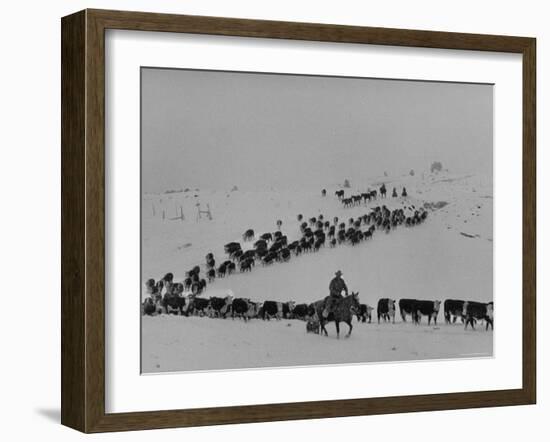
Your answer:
<point x="211" y="274"/>
<point x="278" y="310"/>
<point x="300" y="311"/>
<point x="231" y="247"/>
<point x="187" y="283"/>
<point x="173" y="300"/>
<point x="194" y="272"/>
<point x="248" y="235"/>
<point x="236" y="254"/>
<point x="220" y="307"/>
<point x="222" y="270"/>
<point x="454" y="308"/>
<point x="198" y="286"/>
<point x="246" y="265"/>
<point x="364" y="313"/>
<point x="149" y="306"/>
<point x="169" y="277"/>
<point x="473" y="311"/>
<point x="267" y="237"/>
<point x="284" y="255"/>
<point x="249" y="254"/>
<point x="269" y="258"/>
<point x="339" y="194"/>
<point x="197" y="306"/>
<point x="260" y="244"/>
<point x="386" y="309"/>
<point x="239" y="308"/>
<point x="407" y="307"/>
<point x="426" y="308"/>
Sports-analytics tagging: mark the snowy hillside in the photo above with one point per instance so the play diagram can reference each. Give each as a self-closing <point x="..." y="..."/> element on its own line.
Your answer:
<point x="448" y="256"/>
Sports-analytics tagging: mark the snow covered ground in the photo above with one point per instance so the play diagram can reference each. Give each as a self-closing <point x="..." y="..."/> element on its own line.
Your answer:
<point x="448" y="256"/>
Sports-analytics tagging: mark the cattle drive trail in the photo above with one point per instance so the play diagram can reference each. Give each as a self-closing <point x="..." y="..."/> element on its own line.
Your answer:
<point x="448" y="256"/>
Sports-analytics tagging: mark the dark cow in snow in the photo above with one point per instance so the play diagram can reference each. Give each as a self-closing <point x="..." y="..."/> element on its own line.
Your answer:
<point x="193" y="273"/>
<point x="169" y="277"/>
<point x="407" y="307"/>
<point x="452" y="309"/>
<point x="386" y="309"/>
<point x="211" y="274"/>
<point x="187" y="282"/>
<point x="232" y="247"/>
<point x="197" y="306"/>
<point x="278" y="310"/>
<point x="210" y="263"/>
<point x="230" y="266"/>
<point x="339" y="194"/>
<point x="364" y="313"/>
<point x="198" y="286"/>
<point x="248" y="235"/>
<point x="301" y="311"/>
<point x="239" y="308"/>
<point x="261" y="244"/>
<point x="267" y="237"/>
<point x="269" y="258"/>
<point x="284" y="255"/>
<point x="172" y="299"/>
<point x="220" y="307"/>
<point x="474" y="311"/>
<point x="249" y="254"/>
<point x="222" y="270"/>
<point x="246" y="265"/>
<point x="426" y="308"/>
<point x="149" y="306"/>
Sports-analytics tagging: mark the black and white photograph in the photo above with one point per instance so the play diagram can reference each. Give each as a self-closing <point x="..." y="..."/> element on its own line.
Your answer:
<point x="303" y="220"/>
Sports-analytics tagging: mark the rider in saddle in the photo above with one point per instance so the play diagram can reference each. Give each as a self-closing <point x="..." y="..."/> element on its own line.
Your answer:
<point x="336" y="286"/>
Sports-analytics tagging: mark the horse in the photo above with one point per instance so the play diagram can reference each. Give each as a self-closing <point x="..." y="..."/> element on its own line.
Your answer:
<point x="343" y="312"/>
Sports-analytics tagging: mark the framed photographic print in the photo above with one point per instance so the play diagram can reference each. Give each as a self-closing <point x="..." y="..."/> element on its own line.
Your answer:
<point x="268" y="220"/>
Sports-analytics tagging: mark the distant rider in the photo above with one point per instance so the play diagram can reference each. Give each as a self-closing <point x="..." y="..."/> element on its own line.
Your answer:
<point x="336" y="286"/>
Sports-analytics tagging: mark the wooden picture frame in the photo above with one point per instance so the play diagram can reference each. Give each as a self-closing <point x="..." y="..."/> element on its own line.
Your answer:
<point x="83" y="220"/>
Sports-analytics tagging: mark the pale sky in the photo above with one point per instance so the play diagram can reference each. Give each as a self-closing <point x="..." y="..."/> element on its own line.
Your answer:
<point x="212" y="129"/>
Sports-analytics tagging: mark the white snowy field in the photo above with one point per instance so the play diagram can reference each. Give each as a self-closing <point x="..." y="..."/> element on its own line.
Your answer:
<point x="175" y="343"/>
<point x="448" y="256"/>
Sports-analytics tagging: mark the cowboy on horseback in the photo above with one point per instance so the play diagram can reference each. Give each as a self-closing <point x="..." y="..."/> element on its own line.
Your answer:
<point x="336" y="286"/>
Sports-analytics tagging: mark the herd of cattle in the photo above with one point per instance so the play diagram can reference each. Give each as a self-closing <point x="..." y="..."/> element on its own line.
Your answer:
<point x="470" y="312"/>
<point x="316" y="233"/>
<point x="166" y="296"/>
<point x="366" y="197"/>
